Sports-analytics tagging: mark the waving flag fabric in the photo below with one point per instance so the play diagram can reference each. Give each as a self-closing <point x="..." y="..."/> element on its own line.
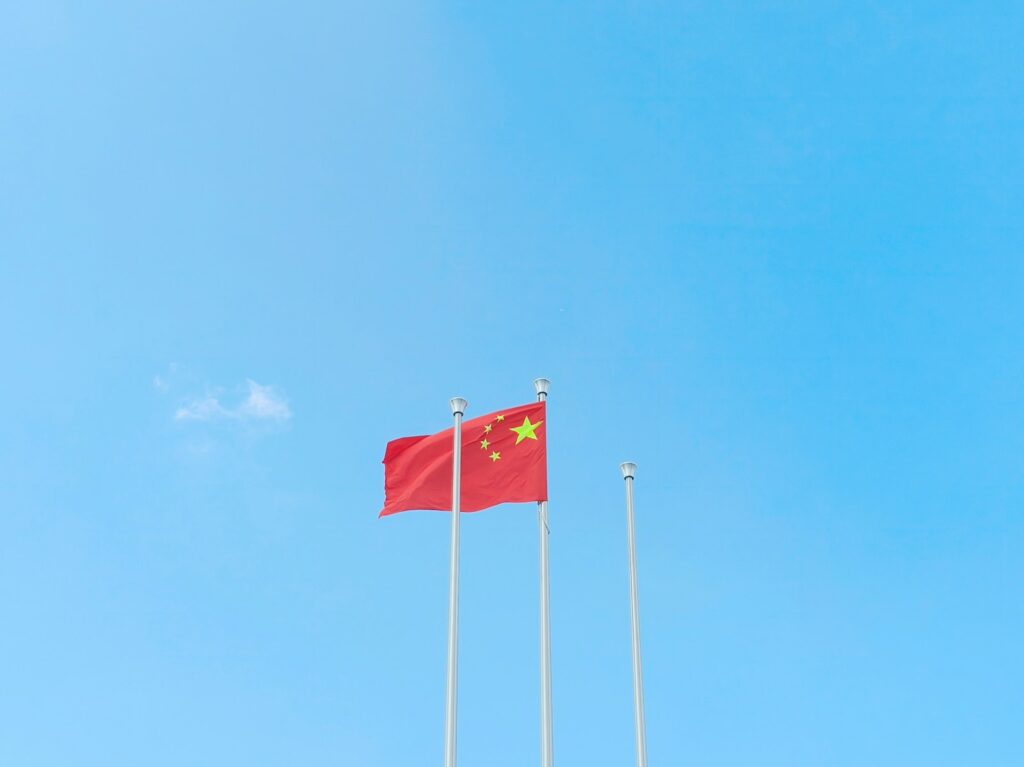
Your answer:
<point x="504" y="460"/>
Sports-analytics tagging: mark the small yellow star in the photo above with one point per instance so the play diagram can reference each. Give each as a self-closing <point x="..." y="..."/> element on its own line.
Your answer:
<point x="501" y="418"/>
<point x="487" y="429"/>
<point x="495" y="456"/>
<point x="484" y="445"/>
<point x="526" y="431"/>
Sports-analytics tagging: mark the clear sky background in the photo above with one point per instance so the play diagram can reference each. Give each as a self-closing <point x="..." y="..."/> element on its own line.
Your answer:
<point x="770" y="252"/>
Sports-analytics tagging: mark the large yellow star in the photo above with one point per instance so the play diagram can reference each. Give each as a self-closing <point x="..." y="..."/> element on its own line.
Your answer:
<point x="526" y="431"/>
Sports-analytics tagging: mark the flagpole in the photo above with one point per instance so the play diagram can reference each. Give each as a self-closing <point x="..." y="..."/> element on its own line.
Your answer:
<point x="547" y="757"/>
<point x="458" y="406"/>
<point x="628" y="473"/>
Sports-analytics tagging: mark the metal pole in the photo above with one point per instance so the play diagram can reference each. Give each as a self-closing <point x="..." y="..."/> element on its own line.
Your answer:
<point x="547" y="757"/>
<point x="451" y="694"/>
<point x="628" y="472"/>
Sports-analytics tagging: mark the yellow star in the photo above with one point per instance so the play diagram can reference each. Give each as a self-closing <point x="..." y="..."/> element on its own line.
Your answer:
<point x="526" y="431"/>
<point x="484" y="445"/>
<point x="500" y="418"/>
<point x="487" y="429"/>
<point x="495" y="456"/>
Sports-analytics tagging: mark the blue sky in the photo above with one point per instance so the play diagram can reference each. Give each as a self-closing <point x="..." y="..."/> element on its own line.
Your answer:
<point x="771" y="252"/>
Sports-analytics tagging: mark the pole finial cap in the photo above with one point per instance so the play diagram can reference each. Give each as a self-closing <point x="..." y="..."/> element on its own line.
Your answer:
<point x="459" y="405"/>
<point x="628" y="470"/>
<point x="541" y="385"/>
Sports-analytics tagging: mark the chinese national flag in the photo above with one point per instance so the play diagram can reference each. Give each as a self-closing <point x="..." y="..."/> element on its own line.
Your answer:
<point x="504" y="460"/>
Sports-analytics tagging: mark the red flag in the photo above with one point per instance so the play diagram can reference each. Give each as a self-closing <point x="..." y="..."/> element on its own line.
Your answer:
<point x="504" y="460"/>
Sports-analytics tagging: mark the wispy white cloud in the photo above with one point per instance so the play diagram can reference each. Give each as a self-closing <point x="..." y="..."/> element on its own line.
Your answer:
<point x="262" y="403"/>
<point x="163" y="382"/>
<point x="207" y="409"/>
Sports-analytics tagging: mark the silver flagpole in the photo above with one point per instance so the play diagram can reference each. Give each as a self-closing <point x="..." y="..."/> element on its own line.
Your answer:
<point x="451" y="695"/>
<point x="628" y="472"/>
<point x="547" y="757"/>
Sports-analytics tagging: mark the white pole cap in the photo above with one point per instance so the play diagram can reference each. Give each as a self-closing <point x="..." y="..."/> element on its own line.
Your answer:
<point x="541" y="385"/>
<point x="459" y="406"/>
<point x="628" y="470"/>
